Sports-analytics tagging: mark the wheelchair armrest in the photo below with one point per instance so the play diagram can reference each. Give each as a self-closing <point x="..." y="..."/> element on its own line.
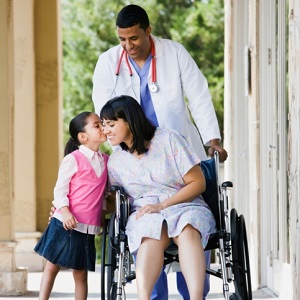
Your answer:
<point x="227" y="184"/>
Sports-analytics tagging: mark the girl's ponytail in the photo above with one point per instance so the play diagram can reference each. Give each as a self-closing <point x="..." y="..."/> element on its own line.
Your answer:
<point x="71" y="146"/>
<point x="76" y="126"/>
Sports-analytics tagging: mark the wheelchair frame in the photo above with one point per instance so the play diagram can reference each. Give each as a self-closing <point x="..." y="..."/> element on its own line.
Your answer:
<point x="230" y="241"/>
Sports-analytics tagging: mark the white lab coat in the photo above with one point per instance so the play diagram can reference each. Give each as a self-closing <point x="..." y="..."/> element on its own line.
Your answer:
<point x="177" y="76"/>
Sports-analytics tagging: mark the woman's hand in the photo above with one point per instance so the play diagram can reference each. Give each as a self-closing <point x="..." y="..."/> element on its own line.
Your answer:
<point x="149" y="209"/>
<point x="69" y="221"/>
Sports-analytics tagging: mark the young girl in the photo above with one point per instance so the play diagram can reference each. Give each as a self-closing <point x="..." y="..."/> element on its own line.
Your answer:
<point x="78" y="197"/>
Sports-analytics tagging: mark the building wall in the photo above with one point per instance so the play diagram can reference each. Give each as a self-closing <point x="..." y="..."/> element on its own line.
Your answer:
<point x="30" y="132"/>
<point x="242" y="118"/>
<point x="262" y="135"/>
<point x="294" y="143"/>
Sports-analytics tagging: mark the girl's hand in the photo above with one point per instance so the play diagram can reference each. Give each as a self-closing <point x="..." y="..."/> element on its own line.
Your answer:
<point x="69" y="221"/>
<point x="52" y="210"/>
<point x="149" y="209"/>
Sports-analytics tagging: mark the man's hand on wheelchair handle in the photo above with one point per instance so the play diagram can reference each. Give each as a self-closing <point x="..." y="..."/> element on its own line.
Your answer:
<point x="215" y="146"/>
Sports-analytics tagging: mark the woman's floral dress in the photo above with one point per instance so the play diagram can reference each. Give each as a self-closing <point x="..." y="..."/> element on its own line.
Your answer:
<point x="155" y="177"/>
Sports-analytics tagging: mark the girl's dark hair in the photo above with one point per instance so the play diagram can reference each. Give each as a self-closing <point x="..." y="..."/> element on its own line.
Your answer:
<point x="131" y="15"/>
<point x="76" y="125"/>
<point x="128" y="109"/>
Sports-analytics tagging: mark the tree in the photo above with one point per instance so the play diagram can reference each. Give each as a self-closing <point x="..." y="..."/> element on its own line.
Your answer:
<point x="199" y="26"/>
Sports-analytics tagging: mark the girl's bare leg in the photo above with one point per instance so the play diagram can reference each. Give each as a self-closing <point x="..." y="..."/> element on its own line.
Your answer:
<point x="192" y="261"/>
<point x="81" y="284"/>
<point x="149" y="262"/>
<point x="48" y="279"/>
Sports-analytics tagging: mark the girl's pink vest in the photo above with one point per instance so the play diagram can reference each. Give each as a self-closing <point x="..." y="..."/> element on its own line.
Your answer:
<point x="87" y="191"/>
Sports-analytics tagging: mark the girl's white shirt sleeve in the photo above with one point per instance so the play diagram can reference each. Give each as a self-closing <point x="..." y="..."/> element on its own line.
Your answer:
<point x="66" y="171"/>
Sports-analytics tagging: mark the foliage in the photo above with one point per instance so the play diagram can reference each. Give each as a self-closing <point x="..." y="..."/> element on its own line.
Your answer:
<point x="199" y="26"/>
<point x="89" y="30"/>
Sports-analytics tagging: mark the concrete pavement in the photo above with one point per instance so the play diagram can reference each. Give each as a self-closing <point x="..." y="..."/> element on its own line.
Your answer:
<point x="64" y="287"/>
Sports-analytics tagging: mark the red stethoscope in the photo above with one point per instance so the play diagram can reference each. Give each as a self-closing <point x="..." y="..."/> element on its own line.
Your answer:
<point x="153" y="87"/>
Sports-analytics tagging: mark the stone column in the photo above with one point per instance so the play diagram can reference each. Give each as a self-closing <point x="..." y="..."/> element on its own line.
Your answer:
<point x="49" y="118"/>
<point x="38" y="121"/>
<point x="25" y="136"/>
<point x="13" y="281"/>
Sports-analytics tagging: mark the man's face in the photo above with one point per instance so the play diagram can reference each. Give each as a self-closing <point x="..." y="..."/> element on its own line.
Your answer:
<point x="135" y="41"/>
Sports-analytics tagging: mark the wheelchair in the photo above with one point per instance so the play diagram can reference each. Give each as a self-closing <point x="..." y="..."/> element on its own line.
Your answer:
<point x="229" y="242"/>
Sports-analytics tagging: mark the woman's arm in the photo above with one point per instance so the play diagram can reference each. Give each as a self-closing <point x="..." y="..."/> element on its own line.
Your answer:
<point x="194" y="186"/>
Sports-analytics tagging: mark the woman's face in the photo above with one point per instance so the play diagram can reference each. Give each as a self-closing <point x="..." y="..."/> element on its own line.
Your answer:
<point x="117" y="132"/>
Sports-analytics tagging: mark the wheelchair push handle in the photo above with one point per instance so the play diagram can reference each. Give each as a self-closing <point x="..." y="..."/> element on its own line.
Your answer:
<point x="217" y="165"/>
<point x="217" y="156"/>
<point x="225" y="184"/>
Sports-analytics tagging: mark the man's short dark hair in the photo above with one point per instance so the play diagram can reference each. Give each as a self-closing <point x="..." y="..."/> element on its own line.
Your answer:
<point x="132" y="15"/>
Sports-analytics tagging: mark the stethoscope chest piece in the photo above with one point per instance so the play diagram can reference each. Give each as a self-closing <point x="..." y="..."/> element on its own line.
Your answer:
<point x="153" y="87"/>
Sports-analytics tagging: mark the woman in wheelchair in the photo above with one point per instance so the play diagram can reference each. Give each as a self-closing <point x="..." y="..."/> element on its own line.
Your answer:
<point x="160" y="174"/>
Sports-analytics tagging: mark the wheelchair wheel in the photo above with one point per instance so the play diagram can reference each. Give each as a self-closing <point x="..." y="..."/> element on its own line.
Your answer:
<point x="240" y="257"/>
<point x="108" y="261"/>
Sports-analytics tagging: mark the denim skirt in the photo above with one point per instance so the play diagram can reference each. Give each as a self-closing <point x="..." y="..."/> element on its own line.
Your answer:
<point x="67" y="248"/>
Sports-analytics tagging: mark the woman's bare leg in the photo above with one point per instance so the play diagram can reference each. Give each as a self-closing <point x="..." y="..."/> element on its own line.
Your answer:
<point x="48" y="279"/>
<point x="81" y="284"/>
<point x="149" y="262"/>
<point x="192" y="261"/>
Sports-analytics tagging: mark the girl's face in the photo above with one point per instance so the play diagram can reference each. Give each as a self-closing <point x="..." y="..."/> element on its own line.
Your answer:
<point x="117" y="132"/>
<point x="93" y="136"/>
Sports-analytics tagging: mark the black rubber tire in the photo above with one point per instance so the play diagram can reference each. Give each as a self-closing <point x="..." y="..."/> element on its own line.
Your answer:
<point x="108" y="263"/>
<point x="246" y="262"/>
<point x="113" y="292"/>
<point x="240" y="257"/>
<point x="103" y="256"/>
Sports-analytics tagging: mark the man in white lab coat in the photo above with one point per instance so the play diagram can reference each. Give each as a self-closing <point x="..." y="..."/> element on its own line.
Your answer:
<point x="160" y="74"/>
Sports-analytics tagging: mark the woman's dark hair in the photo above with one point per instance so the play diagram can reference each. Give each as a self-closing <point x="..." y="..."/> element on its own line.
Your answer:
<point x="131" y="15"/>
<point x="128" y="109"/>
<point x="76" y="125"/>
